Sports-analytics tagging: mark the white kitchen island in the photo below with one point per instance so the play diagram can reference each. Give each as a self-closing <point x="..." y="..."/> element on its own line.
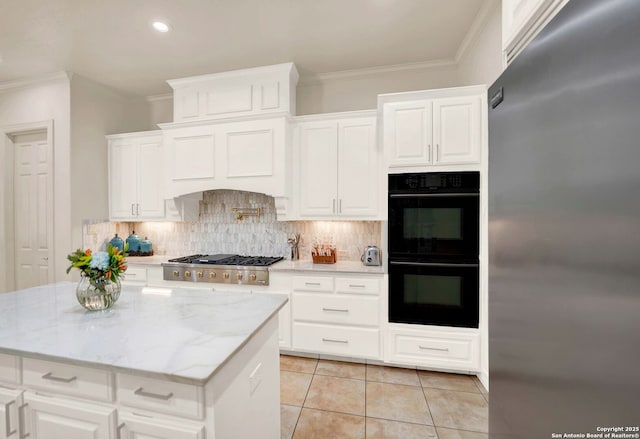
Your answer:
<point x="162" y="363"/>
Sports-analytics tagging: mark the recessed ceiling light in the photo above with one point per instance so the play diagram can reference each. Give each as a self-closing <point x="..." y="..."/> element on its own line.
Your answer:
<point x="161" y="26"/>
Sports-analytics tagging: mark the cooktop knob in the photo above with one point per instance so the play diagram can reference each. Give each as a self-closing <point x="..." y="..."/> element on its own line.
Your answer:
<point x="225" y="275"/>
<point x="212" y="275"/>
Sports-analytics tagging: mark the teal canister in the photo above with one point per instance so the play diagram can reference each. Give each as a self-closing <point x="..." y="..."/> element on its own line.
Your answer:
<point x="134" y="242"/>
<point x="117" y="242"/>
<point x="146" y="248"/>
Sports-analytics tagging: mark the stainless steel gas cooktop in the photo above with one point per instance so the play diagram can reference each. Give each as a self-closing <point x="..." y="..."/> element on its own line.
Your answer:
<point x="220" y="268"/>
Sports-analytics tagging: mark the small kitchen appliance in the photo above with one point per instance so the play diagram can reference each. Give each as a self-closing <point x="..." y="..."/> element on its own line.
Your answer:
<point x="371" y="256"/>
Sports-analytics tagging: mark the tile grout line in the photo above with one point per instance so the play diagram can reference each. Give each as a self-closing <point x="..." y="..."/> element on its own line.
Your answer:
<point x="426" y="400"/>
<point x="313" y="374"/>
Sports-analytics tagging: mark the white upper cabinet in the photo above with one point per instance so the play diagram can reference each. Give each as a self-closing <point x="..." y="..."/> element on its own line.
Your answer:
<point x="248" y="155"/>
<point x="248" y="92"/>
<point x="436" y="127"/>
<point x="337" y="165"/>
<point x="135" y="176"/>
<point x="522" y="20"/>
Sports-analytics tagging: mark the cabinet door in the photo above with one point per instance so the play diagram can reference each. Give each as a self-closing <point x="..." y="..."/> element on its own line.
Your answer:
<point x="122" y="179"/>
<point x="10" y="401"/>
<point x="150" y="181"/>
<point x="318" y="169"/>
<point x="456" y="131"/>
<point x="358" y="174"/>
<point x="407" y="133"/>
<point x="55" y="418"/>
<point x="133" y="426"/>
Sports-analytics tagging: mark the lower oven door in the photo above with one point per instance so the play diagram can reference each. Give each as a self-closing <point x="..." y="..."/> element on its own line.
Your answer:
<point x="434" y="293"/>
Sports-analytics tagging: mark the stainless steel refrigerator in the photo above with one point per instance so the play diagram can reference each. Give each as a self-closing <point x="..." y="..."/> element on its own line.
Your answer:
<point x="564" y="228"/>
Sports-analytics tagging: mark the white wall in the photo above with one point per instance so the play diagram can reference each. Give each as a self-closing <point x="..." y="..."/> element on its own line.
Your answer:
<point x="40" y="102"/>
<point x="160" y="110"/>
<point x="481" y="62"/>
<point x="96" y="111"/>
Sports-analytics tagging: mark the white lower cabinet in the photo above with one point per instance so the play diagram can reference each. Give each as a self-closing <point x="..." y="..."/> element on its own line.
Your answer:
<point x="52" y="417"/>
<point x="133" y="426"/>
<point x="443" y="348"/>
<point x="337" y="315"/>
<point x="10" y="405"/>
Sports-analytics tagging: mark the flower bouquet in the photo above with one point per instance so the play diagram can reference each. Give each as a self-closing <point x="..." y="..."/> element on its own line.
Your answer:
<point x="99" y="286"/>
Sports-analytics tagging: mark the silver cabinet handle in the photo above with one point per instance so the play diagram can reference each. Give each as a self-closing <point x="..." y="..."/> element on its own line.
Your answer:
<point x="434" y="349"/>
<point x="132" y="211"/>
<point x="22" y="421"/>
<point x="335" y="309"/>
<point x="165" y="397"/>
<point x="137" y="210"/>
<point x="315" y="284"/>
<point x="356" y="286"/>
<point x="7" y="419"/>
<point x="330" y="340"/>
<point x="340" y="205"/>
<point x="437" y="152"/>
<point x="429" y="152"/>
<point x="120" y="427"/>
<point x="333" y="209"/>
<point x="52" y="377"/>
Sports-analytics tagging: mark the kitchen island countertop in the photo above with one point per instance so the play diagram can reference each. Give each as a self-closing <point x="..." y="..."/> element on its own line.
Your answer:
<point x="179" y="334"/>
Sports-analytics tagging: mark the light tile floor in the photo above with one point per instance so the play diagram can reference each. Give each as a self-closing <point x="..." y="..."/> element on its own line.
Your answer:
<point x="323" y="399"/>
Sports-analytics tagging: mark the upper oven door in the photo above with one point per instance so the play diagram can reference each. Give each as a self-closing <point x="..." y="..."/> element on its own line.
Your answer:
<point x="434" y="226"/>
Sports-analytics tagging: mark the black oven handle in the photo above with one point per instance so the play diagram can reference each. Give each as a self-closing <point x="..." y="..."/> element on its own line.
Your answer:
<point x="433" y="264"/>
<point x="455" y="194"/>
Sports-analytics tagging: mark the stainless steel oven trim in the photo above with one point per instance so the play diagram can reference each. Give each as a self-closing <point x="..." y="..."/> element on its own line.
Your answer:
<point x="439" y="194"/>
<point x="433" y="264"/>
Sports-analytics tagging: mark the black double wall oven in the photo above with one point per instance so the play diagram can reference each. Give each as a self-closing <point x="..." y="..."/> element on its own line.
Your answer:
<point x="434" y="224"/>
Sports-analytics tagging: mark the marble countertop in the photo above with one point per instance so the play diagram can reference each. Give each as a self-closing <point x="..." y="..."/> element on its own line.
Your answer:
<point x="149" y="260"/>
<point x="180" y="334"/>
<point x="338" y="267"/>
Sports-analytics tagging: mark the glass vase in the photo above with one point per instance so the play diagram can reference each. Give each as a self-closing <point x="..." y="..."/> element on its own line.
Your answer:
<point x="97" y="294"/>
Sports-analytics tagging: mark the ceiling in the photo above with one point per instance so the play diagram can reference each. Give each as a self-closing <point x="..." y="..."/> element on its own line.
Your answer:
<point x="111" y="41"/>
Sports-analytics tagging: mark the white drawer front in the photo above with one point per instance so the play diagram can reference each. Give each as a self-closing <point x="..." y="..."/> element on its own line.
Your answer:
<point x="134" y="274"/>
<point x="161" y="396"/>
<point x="325" y="339"/>
<point x="9" y="368"/>
<point x="449" y="351"/>
<point x="358" y="285"/>
<point x="336" y="309"/>
<point x="68" y="379"/>
<point x="313" y="283"/>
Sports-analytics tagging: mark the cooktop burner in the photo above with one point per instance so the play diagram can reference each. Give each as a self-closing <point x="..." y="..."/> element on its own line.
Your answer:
<point x="227" y="259"/>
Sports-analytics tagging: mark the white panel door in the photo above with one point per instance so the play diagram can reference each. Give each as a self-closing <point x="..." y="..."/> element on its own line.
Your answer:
<point x="10" y="401"/>
<point x="407" y="135"/>
<point x="191" y="153"/>
<point x="122" y="179"/>
<point x="456" y="131"/>
<point x="139" y="427"/>
<point x="358" y="175"/>
<point x="33" y="210"/>
<point x="56" y="418"/>
<point x="318" y="168"/>
<point x="249" y="151"/>
<point x="150" y="162"/>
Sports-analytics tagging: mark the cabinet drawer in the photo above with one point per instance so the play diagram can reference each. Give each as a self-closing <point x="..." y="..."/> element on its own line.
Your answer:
<point x="326" y="339"/>
<point x="161" y="396"/>
<point x="336" y="309"/>
<point x="68" y="379"/>
<point x="445" y="350"/>
<point x="135" y="274"/>
<point x="357" y="285"/>
<point x="9" y="368"/>
<point x="315" y="283"/>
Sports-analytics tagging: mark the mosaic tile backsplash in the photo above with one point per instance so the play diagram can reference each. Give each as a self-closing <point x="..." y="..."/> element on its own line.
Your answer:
<point x="218" y="231"/>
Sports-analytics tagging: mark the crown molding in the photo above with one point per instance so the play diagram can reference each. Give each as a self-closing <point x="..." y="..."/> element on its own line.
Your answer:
<point x="374" y="71"/>
<point x="478" y="24"/>
<point x="33" y="80"/>
<point x="160" y="97"/>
